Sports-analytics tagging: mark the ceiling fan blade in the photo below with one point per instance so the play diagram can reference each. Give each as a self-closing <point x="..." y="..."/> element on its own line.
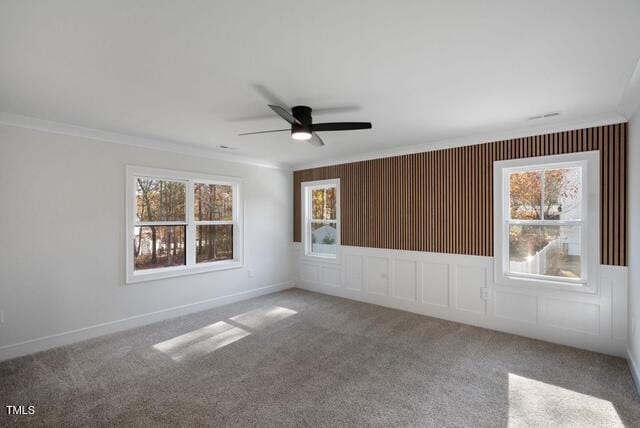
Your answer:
<point x="340" y="126"/>
<point x="335" y="110"/>
<point x="269" y="95"/>
<point x="284" y="114"/>
<point x="264" y="132"/>
<point x="316" y="140"/>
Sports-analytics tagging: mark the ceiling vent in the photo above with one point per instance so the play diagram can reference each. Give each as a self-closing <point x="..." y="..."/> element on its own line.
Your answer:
<point x="543" y="116"/>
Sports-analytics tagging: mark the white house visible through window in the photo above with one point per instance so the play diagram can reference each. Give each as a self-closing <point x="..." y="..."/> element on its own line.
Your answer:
<point x="546" y="219"/>
<point x="180" y="223"/>
<point x="321" y="217"/>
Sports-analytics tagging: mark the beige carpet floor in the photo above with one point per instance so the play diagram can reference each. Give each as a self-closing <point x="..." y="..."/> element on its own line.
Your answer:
<point x="297" y="358"/>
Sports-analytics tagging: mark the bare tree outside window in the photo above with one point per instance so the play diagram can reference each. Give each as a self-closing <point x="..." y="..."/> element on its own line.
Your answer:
<point x="213" y="209"/>
<point x="160" y="232"/>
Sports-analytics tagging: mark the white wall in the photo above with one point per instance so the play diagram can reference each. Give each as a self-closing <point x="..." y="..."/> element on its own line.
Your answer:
<point x="634" y="244"/>
<point x="60" y="195"/>
<point x="461" y="288"/>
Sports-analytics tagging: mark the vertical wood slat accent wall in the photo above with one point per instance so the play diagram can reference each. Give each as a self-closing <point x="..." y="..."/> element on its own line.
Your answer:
<point x="442" y="201"/>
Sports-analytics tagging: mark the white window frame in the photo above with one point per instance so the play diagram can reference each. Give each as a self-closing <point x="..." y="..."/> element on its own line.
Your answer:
<point x="306" y="188"/>
<point x="191" y="267"/>
<point x="589" y="238"/>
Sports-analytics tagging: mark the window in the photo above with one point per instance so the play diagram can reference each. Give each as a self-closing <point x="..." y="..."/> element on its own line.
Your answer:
<point x="321" y="202"/>
<point x="214" y="222"/>
<point x="180" y="223"/>
<point x="160" y="229"/>
<point x="547" y="221"/>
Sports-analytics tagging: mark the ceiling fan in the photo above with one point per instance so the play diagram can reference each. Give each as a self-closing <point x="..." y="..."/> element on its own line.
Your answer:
<point x="303" y="128"/>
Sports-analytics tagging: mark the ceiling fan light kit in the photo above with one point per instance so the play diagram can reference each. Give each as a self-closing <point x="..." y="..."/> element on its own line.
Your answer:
<point x="303" y="128"/>
<point x="301" y="135"/>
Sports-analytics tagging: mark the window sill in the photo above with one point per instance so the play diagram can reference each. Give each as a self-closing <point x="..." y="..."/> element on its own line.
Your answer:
<point x="322" y="258"/>
<point x="172" y="272"/>
<point x="586" y="287"/>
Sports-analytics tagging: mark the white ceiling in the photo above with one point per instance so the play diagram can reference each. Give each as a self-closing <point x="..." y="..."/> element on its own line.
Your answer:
<point x="421" y="71"/>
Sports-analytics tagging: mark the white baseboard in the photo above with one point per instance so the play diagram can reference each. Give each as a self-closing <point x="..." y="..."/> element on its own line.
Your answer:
<point x="68" y="337"/>
<point x="634" y="367"/>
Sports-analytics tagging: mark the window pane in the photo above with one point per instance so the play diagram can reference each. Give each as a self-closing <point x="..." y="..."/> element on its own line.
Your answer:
<point x="323" y="203"/>
<point x="214" y="242"/>
<point x="213" y="202"/>
<point x="324" y="238"/>
<point x="159" y="200"/>
<point x="525" y="195"/>
<point x="562" y="194"/>
<point x="159" y="246"/>
<point x="545" y="250"/>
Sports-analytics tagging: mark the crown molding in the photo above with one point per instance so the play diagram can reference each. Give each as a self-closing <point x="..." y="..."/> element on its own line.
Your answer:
<point x="27" y="122"/>
<point x="473" y="139"/>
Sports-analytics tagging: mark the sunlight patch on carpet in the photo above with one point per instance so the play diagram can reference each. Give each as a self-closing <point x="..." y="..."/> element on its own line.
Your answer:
<point x="535" y="403"/>
<point x="263" y="317"/>
<point x="202" y="341"/>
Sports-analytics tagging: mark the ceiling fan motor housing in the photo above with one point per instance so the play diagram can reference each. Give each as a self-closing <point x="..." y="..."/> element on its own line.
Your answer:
<point x="303" y="115"/>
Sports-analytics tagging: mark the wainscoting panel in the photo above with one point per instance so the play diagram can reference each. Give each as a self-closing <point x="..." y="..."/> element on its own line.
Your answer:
<point x="405" y="279"/>
<point x="616" y="280"/>
<point x="516" y="306"/>
<point x="461" y="288"/>
<point x="435" y="284"/>
<point x="310" y="272"/>
<point x="470" y="283"/>
<point x="331" y="276"/>
<point x="377" y="275"/>
<point x="354" y="269"/>
<point x="568" y="315"/>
